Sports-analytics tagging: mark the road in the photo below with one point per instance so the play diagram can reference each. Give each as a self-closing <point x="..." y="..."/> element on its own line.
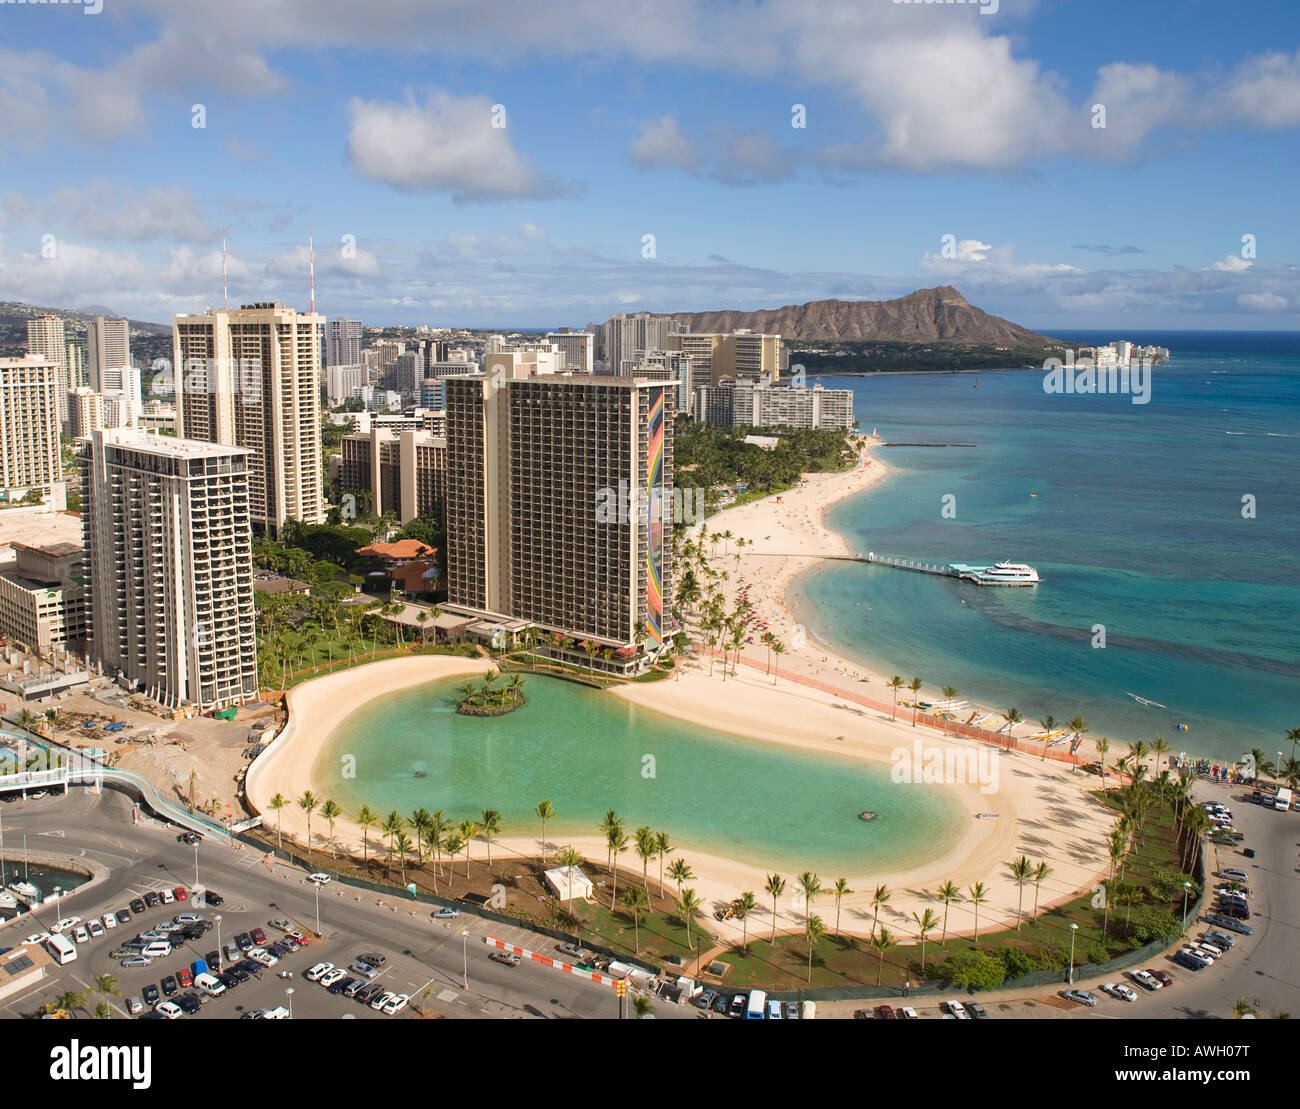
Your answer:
<point x="427" y="959"/>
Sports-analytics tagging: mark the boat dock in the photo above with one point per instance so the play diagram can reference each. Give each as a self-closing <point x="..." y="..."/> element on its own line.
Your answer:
<point x="929" y="444"/>
<point x="909" y="564"/>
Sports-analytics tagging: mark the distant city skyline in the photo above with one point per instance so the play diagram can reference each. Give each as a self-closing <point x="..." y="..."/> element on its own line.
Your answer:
<point x="778" y="152"/>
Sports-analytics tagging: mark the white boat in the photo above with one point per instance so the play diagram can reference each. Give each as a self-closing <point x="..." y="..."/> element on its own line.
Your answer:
<point x="1007" y="573"/>
<point x="24" y="889"/>
<point x="8" y="900"/>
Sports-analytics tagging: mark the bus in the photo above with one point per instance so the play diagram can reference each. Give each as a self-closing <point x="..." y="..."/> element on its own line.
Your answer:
<point x="756" y="1008"/>
<point x="61" y="949"/>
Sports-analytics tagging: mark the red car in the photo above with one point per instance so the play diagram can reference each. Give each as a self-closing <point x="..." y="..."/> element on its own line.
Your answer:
<point x="1161" y="977"/>
<point x="259" y="937"/>
<point x="185" y="978"/>
<point x="885" y="1012"/>
<point x="179" y="893"/>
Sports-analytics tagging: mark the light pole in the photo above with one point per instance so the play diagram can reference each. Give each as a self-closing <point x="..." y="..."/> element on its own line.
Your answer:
<point x="465" y="951"/>
<point x="220" y="956"/>
<point x="58" y="893"/>
<point x="1187" y="886"/>
<point x="289" y="994"/>
<point x="196" y="864"/>
<point x="317" y="885"/>
<point x="1074" y="928"/>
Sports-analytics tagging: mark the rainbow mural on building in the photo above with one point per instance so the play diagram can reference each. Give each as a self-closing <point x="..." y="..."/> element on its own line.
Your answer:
<point x="655" y="518"/>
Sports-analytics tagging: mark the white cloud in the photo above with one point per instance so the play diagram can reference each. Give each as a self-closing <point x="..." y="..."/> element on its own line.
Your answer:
<point x="661" y="144"/>
<point x="1264" y="91"/>
<point x="1233" y="263"/>
<point x="446" y="144"/>
<point x="103" y="211"/>
<point x="1263" y="302"/>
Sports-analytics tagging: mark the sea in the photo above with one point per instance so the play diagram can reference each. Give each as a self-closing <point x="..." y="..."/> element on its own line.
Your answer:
<point x="1167" y="536"/>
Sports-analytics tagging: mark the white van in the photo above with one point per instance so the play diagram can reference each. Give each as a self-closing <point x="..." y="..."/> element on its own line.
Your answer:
<point x="209" y="984"/>
<point x="158" y="949"/>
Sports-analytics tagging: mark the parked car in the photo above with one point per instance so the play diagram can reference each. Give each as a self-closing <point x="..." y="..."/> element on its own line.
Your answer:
<point x="80" y="935"/>
<point x="364" y="969"/>
<point x="573" y="951"/>
<point x="157" y="949"/>
<point x="905" y="1013"/>
<point x="213" y="898"/>
<point x="341" y="986"/>
<point x="396" y="1004"/>
<point x="133" y="962"/>
<point x="351" y="987"/>
<point x="367" y="994"/>
<point x="1184" y="959"/>
<point x="314" y="973"/>
<point x="446" y="914"/>
<point x="169" y="986"/>
<point x="1231" y="924"/>
<point x="373" y="958"/>
<point x="1082" y="997"/>
<point x="280" y="950"/>
<point x="281" y="923"/>
<point x="977" y="1010"/>
<point x="885" y="1012"/>
<point x="1119" y="990"/>
<point x="95" y="928"/>
<point x="152" y="900"/>
<point x="123" y="916"/>
<point x="109" y="920"/>
<point x="261" y="955"/>
<point x="1219" y="939"/>
<point x="230" y="953"/>
<point x="189" y="1002"/>
<point x="150" y="994"/>
<point x="737" y="1006"/>
<point x="134" y="1005"/>
<point x="382" y="999"/>
<point x="278" y="1013"/>
<point x="169" y="1009"/>
<point x="330" y="977"/>
<point x="1161" y="977"/>
<point x="956" y="1009"/>
<point x="507" y="958"/>
<point x="179" y="893"/>
<point x="187" y="918"/>
<point x="167" y="896"/>
<point x="210" y="984"/>
<point x="259" y="937"/>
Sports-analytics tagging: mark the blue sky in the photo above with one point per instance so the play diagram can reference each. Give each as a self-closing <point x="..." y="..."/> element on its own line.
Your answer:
<point x="669" y="118"/>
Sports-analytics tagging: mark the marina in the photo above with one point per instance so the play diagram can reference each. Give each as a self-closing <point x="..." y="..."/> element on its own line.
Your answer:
<point x="1000" y="573"/>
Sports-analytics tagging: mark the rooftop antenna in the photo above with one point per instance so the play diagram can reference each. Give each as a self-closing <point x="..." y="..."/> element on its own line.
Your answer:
<point x="311" y="268"/>
<point x="225" y="291"/>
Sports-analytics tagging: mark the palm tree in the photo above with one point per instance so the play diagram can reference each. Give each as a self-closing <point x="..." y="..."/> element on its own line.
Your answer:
<point x="616" y="840"/>
<point x="308" y="802"/>
<point x="949" y="692"/>
<point x="435" y="834"/>
<point x="420" y="821"/>
<point x="1021" y="871"/>
<point x="1041" y="871"/>
<point x="688" y="906"/>
<point x="947" y="893"/>
<point x="1102" y="745"/>
<point x="1049" y="725"/>
<point x="926" y="923"/>
<point x="393" y="823"/>
<point x="545" y="811"/>
<point x="778" y="649"/>
<point x="431" y="837"/>
<point x="811" y="886"/>
<point x="276" y="804"/>
<point x="744" y="905"/>
<point x="1242" y="1009"/>
<point x="635" y="900"/>
<point x="841" y="887"/>
<point x="662" y="847"/>
<point x="813" y="930"/>
<point x="608" y="823"/>
<point x="366" y="819"/>
<point x="490" y="827"/>
<point x="467" y="830"/>
<point x="915" y="686"/>
<point x="106" y="986"/>
<point x="680" y="871"/>
<point x="402" y="843"/>
<point x="331" y="812"/>
<point x="568" y="858"/>
<point x="646" y="845"/>
<point x="977" y="895"/>
<point x="1013" y="718"/>
<point x="883" y="943"/>
<point x="879" y="897"/>
<point x="895" y="683"/>
<point x="775" y="886"/>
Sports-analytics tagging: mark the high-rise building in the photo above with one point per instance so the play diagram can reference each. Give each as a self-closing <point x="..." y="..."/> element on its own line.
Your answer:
<point x="343" y="342"/>
<point x="29" y="424"/>
<point x="85" y="412"/>
<point x="108" y="350"/>
<point x="249" y="377"/>
<point x="627" y="337"/>
<point x="750" y="404"/>
<point x="409" y="373"/>
<point x="45" y="339"/>
<point x="43" y="597"/>
<point x="735" y="355"/>
<point x="168" y="539"/>
<point x="577" y="349"/>
<point x="556" y="495"/>
<point x="404" y="471"/>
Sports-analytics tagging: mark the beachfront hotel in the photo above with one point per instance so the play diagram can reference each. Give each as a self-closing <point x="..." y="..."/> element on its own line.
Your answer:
<point x="403" y="469"/>
<point x="29" y="424"/>
<point x="555" y="489"/>
<point x="169" y="549"/>
<point x="757" y="404"/>
<point x="250" y="377"/>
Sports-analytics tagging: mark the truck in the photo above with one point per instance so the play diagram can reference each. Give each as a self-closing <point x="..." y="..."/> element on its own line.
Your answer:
<point x="61" y="949"/>
<point x="1282" y="802"/>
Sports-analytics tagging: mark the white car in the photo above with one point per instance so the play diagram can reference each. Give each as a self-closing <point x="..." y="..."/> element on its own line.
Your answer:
<point x="95" y="928"/>
<point x="110" y="921"/>
<point x="278" y="1013"/>
<point x="907" y="1013"/>
<point x="1146" y="980"/>
<point x="320" y="878"/>
<point x="210" y="984"/>
<point x="186" y="918"/>
<point x="66" y="923"/>
<point x="382" y="1000"/>
<point x="957" y="1009"/>
<point x="396" y="1004"/>
<point x="169" y="1009"/>
<point x="158" y="949"/>
<point x="315" y="973"/>
<point x="330" y="977"/>
<point x="261" y="955"/>
<point x="80" y="935"/>
<point x="1118" y="989"/>
<point x="36" y="937"/>
<point x="167" y="896"/>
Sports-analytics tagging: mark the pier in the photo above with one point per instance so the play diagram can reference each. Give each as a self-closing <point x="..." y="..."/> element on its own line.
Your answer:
<point x="929" y="444"/>
<point x="909" y="564"/>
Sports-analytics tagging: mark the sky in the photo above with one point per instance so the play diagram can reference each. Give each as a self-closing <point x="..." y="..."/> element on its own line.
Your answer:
<point x="1063" y="163"/>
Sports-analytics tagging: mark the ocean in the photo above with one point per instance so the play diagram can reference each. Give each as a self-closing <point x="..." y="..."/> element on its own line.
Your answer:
<point x="1167" y="536"/>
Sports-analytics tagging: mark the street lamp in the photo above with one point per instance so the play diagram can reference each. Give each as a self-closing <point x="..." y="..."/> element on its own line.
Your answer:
<point x="289" y="994"/>
<point x="58" y="893"/>
<point x="1074" y="928"/>
<point x="317" y="885"/>
<point x="1187" y="887"/>
<point x="219" y="953"/>
<point x="196" y="864"/>
<point x="465" y="951"/>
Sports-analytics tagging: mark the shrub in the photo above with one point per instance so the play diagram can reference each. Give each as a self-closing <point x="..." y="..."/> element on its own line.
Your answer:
<point x="1015" y="961"/>
<point x="974" y="970"/>
<point x="1149" y="924"/>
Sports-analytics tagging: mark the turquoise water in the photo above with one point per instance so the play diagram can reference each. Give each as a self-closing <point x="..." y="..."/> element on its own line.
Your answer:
<point x="1137" y="525"/>
<point x="586" y="752"/>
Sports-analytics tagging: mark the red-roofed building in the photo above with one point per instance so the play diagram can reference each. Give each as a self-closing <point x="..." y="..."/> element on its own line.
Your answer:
<point x="402" y="551"/>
